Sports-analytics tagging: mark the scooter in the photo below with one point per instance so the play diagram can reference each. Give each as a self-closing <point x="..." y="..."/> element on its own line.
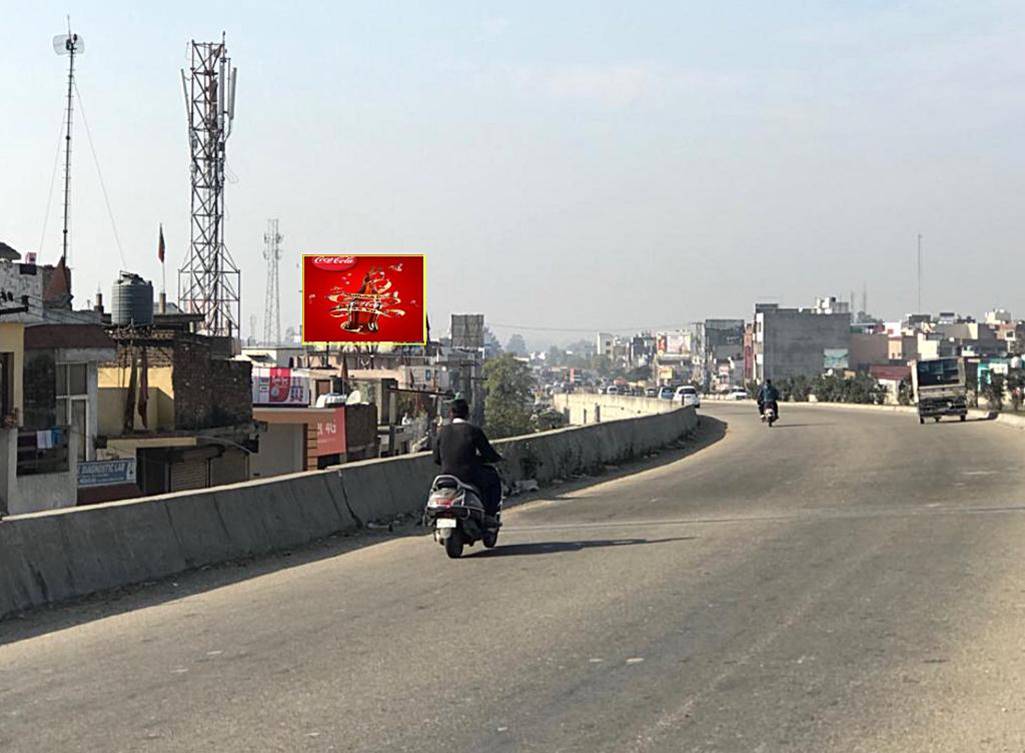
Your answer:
<point x="456" y="512"/>
<point x="769" y="415"/>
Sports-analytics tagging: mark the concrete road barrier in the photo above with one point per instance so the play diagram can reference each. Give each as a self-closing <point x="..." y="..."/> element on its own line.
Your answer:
<point x="53" y="556"/>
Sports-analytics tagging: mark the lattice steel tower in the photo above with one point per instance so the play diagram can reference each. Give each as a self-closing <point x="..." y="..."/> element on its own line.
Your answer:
<point x="272" y="306"/>
<point x="209" y="283"/>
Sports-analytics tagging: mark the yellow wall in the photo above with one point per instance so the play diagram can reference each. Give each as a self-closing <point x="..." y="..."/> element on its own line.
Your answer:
<point x="113" y="391"/>
<point x="12" y="340"/>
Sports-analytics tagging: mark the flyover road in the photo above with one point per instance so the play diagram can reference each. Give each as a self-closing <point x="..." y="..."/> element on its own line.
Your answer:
<point x="846" y="581"/>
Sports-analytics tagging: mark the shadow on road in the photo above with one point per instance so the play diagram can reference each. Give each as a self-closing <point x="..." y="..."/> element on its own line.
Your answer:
<point x="799" y="426"/>
<point x="553" y="547"/>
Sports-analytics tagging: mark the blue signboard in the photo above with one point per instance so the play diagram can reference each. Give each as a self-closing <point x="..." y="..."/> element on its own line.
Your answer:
<point x="106" y="472"/>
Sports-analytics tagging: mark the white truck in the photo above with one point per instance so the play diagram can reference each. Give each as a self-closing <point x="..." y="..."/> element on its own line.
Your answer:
<point x="940" y="388"/>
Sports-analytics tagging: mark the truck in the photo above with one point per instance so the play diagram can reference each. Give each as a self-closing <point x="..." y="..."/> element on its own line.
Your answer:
<point x="939" y="388"/>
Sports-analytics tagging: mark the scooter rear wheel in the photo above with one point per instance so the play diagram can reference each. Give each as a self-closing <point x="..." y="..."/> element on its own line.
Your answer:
<point x="454" y="545"/>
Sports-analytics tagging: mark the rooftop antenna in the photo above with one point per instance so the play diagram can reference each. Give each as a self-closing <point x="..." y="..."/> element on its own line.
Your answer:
<point x="69" y="44"/>
<point x="209" y="283"/>
<point x="919" y="273"/>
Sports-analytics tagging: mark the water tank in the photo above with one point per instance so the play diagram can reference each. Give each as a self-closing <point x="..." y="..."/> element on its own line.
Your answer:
<point x="132" y="301"/>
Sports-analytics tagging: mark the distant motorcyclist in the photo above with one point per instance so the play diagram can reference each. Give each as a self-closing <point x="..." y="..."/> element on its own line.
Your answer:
<point x="768" y="396"/>
<point x="463" y="450"/>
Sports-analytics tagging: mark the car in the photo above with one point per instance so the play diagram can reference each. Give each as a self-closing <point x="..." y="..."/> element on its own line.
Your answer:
<point x="687" y="395"/>
<point x="612" y="390"/>
<point x="665" y="393"/>
<point x="737" y="394"/>
<point x="651" y="392"/>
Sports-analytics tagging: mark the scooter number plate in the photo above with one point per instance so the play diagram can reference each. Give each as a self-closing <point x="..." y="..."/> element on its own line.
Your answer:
<point x="446" y="523"/>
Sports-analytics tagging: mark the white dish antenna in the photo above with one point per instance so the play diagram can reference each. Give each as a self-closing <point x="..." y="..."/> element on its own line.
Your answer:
<point x="65" y="44"/>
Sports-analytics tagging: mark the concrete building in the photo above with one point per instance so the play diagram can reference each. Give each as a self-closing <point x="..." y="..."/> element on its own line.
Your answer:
<point x="801" y="342"/>
<point x="723" y="354"/>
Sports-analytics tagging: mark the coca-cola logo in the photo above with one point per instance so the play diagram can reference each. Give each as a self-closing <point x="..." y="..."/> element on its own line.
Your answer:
<point x="334" y="262"/>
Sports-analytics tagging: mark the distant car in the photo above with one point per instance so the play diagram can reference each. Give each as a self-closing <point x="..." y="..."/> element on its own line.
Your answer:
<point x="665" y="393"/>
<point x="737" y="394"/>
<point x="651" y="392"/>
<point x="687" y="395"/>
<point x="612" y="390"/>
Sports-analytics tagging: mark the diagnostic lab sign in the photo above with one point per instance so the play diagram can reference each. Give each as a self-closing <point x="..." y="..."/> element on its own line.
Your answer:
<point x="106" y="472"/>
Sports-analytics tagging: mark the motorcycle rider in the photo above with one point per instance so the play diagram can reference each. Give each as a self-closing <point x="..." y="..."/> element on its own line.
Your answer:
<point x="463" y="450"/>
<point x="768" y="396"/>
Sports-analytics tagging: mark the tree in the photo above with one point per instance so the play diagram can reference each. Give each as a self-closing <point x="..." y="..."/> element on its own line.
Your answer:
<point x="516" y="345"/>
<point x="509" y="386"/>
<point x="555" y="357"/>
<point x="993" y="391"/>
<point x="1015" y="387"/>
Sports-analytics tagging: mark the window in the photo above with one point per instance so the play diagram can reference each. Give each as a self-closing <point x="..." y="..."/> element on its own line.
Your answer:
<point x="73" y="403"/>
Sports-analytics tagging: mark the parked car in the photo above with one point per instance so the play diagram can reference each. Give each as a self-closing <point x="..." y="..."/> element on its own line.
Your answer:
<point x="612" y="390"/>
<point x="651" y="392"/>
<point x="665" y="393"/>
<point x="737" y="394"/>
<point x="687" y="395"/>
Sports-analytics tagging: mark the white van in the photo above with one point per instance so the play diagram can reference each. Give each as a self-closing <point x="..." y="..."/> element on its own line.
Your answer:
<point x="687" y="395"/>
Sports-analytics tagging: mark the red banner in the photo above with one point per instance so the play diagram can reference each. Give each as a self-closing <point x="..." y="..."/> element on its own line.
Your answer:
<point x="364" y="298"/>
<point x="331" y="433"/>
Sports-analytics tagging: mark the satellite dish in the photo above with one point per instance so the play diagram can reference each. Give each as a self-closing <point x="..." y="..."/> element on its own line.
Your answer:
<point x="65" y="44"/>
<point x="354" y="398"/>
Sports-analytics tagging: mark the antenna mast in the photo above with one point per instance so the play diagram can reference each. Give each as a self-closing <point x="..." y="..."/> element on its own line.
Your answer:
<point x="209" y="283"/>
<point x="919" y="273"/>
<point x="272" y="306"/>
<point x="68" y="44"/>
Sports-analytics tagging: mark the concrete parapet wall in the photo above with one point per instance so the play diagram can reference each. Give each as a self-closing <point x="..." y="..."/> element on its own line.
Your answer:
<point x="52" y="556"/>
<point x="586" y="408"/>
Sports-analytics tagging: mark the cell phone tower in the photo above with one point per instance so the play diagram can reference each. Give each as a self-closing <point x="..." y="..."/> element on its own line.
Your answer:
<point x="209" y="283"/>
<point x="69" y="44"/>
<point x="272" y="306"/>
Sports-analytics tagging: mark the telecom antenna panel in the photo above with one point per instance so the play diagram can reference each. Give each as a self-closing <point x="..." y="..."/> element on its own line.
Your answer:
<point x="272" y="305"/>
<point x="209" y="283"/>
<point x="71" y="45"/>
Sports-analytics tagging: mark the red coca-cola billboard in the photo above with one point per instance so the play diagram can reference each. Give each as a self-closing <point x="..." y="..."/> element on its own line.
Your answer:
<point x="364" y="298"/>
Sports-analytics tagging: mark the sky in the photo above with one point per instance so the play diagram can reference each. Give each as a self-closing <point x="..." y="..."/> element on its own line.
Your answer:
<point x="567" y="167"/>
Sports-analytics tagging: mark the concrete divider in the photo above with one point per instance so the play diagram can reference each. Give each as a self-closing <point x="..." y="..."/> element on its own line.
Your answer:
<point x="52" y="556"/>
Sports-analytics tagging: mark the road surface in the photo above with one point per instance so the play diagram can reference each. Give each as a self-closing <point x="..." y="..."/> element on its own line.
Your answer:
<point x="846" y="581"/>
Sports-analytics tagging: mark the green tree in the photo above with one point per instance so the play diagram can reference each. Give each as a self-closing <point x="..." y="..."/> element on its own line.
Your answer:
<point x="516" y="345"/>
<point x="555" y="357"/>
<point x="509" y="386"/>
<point x="1015" y="387"/>
<point x="993" y="391"/>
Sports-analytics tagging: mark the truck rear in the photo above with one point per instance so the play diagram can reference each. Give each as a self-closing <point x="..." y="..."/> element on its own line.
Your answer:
<point x="940" y="388"/>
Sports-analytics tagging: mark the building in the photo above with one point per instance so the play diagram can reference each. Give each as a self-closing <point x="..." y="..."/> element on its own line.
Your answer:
<point x="171" y="401"/>
<point x="801" y="342"/>
<point x="723" y="341"/>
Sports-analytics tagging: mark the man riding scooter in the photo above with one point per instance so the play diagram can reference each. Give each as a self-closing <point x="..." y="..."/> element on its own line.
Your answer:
<point x="462" y="450"/>
<point x="768" y="397"/>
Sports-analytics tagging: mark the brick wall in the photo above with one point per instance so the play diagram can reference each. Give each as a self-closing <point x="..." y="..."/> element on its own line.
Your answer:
<point x="232" y="392"/>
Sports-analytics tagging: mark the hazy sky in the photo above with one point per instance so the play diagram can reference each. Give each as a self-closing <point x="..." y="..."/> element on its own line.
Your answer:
<point x="563" y="164"/>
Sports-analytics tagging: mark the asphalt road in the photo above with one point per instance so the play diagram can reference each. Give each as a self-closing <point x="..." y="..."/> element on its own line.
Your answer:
<point x="845" y="581"/>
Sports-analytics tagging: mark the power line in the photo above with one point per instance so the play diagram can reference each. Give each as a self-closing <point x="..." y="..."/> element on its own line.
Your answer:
<point x="53" y="180"/>
<point x="99" y="174"/>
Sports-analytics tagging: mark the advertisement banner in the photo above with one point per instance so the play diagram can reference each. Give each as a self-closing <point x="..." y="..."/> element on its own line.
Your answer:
<point x="364" y="298"/>
<point x="106" y="472"/>
<point x="331" y="433"/>
<point x="279" y="386"/>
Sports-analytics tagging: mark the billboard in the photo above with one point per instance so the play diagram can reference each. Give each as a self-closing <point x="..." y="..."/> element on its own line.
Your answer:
<point x="673" y="343"/>
<point x="468" y="331"/>
<point x="364" y="298"/>
<point x="279" y="386"/>
<point x="331" y="432"/>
